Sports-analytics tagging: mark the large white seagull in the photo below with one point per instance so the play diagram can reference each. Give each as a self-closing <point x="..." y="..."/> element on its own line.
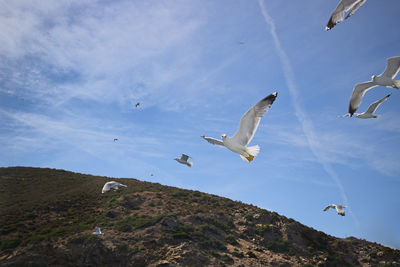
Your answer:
<point x="247" y="128"/>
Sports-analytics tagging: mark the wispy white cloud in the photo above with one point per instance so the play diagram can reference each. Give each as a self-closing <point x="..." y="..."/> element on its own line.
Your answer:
<point x="305" y="122"/>
<point x="106" y="53"/>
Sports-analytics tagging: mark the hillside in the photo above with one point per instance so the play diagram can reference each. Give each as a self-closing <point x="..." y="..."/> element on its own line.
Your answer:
<point x="48" y="216"/>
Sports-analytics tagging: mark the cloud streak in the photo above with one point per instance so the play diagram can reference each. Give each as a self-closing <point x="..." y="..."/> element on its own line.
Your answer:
<point x="301" y="115"/>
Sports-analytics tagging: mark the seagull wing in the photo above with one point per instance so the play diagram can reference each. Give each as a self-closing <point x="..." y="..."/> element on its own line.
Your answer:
<point x="331" y="206"/>
<point x="251" y="119"/>
<point x="213" y="141"/>
<point x="338" y="13"/>
<point x="392" y="67"/>
<point x="184" y="157"/>
<point x="122" y="185"/>
<point x="106" y="188"/>
<point x="358" y="92"/>
<point x="371" y="109"/>
<point x="355" y="7"/>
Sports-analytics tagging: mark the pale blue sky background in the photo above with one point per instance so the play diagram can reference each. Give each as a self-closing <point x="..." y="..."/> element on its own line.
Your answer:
<point x="71" y="72"/>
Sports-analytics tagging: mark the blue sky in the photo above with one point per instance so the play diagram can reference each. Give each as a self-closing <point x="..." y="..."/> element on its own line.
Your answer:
<point x="72" y="71"/>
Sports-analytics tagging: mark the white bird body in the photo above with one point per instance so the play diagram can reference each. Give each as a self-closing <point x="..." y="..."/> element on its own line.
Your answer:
<point x="341" y="8"/>
<point x="385" y="79"/>
<point x="184" y="160"/>
<point x="338" y="208"/>
<point x="111" y="185"/>
<point x="246" y="153"/>
<point x="97" y="231"/>
<point x="247" y="128"/>
<point x="369" y="113"/>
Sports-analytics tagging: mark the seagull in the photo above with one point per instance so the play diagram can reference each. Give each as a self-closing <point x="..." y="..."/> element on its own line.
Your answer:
<point x="184" y="160"/>
<point x="385" y="79"/>
<point x="370" y="111"/>
<point x="247" y="128"/>
<point x="115" y="139"/>
<point x="137" y="104"/>
<point x="111" y="185"/>
<point x="339" y="208"/>
<point x="342" y="7"/>
<point x="97" y="231"/>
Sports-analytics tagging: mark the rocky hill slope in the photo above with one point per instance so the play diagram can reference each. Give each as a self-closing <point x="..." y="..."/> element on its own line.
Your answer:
<point x="47" y="218"/>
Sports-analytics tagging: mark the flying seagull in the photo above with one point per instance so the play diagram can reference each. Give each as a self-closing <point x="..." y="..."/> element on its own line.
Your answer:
<point x="184" y="160"/>
<point x="137" y="104"/>
<point x="342" y="7"/>
<point x="339" y="208"/>
<point x="247" y="128"/>
<point x="385" y="79"/>
<point x="370" y="111"/>
<point x="97" y="231"/>
<point x="115" y="139"/>
<point x="111" y="185"/>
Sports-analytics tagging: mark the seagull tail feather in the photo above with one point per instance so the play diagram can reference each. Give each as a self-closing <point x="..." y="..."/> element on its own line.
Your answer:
<point x="252" y="152"/>
<point x="396" y="84"/>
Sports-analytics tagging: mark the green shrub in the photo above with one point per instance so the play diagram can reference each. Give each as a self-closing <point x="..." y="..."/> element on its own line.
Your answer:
<point x="127" y="224"/>
<point x="183" y="232"/>
<point x="84" y="239"/>
<point x="279" y="246"/>
<point x="212" y="243"/>
<point x="10" y="243"/>
<point x="230" y="239"/>
<point x="180" y="194"/>
<point x="238" y="254"/>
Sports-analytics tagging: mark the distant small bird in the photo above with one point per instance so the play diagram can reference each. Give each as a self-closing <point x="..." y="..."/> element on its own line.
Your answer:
<point x="385" y="79"/>
<point x="241" y="43"/>
<point x="151" y="174"/>
<point x="247" y="128"/>
<point x="97" y="231"/>
<point x="111" y="185"/>
<point x="184" y="160"/>
<point x="339" y="208"/>
<point x="137" y="104"/>
<point x="115" y="139"/>
<point x="371" y="109"/>
<point x="341" y="8"/>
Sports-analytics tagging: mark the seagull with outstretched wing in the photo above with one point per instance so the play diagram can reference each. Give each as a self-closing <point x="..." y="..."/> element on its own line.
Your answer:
<point x="369" y="113"/>
<point x="184" y="160"/>
<point x="385" y="79"/>
<point x="338" y="208"/>
<point x="111" y="185"/>
<point x="247" y="128"/>
<point x="341" y="8"/>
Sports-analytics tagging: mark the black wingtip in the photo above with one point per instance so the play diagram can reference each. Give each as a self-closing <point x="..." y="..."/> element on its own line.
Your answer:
<point x="271" y="97"/>
<point x="351" y="110"/>
<point x="330" y="25"/>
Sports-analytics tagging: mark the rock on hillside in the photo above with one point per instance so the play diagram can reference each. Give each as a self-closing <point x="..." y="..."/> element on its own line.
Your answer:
<point x="48" y="216"/>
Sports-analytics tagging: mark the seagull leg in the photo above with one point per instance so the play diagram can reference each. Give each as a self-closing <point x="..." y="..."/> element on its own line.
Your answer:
<point x="250" y="158"/>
